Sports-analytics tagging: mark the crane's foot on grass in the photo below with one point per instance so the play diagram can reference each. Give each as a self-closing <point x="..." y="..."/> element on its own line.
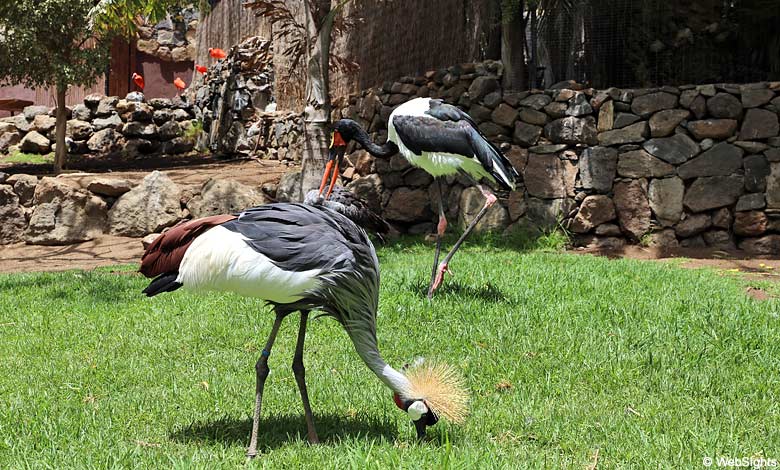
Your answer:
<point x="437" y="281"/>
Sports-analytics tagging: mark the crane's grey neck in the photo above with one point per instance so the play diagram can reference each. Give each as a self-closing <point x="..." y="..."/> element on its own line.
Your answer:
<point x="387" y="150"/>
<point x="366" y="347"/>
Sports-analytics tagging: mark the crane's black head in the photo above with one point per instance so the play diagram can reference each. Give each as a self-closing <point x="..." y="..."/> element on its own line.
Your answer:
<point x="421" y="414"/>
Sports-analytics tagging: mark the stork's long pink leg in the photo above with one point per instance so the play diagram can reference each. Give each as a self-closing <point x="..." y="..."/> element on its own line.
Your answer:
<point x="300" y="378"/>
<point x="490" y="199"/>
<point x="440" y="229"/>
<point x="262" y="370"/>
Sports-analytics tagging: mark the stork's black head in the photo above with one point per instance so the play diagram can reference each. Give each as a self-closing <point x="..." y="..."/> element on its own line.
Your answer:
<point x="421" y="414"/>
<point x="344" y="130"/>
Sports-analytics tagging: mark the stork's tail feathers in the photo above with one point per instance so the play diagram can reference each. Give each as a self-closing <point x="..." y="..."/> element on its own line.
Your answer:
<point x="503" y="171"/>
<point x="162" y="283"/>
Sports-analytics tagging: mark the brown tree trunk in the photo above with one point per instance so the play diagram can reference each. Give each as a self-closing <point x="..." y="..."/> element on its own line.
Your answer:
<point x="61" y="123"/>
<point x="513" y="49"/>
<point x="319" y="23"/>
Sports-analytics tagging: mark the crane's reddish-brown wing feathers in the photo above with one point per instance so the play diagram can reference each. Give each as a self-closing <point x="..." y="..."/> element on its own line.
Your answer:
<point x="165" y="253"/>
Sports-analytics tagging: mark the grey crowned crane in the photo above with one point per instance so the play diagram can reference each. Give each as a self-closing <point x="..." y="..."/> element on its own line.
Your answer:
<point x="442" y="140"/>
<point x="348" y="204"/>
<point x="298" y="257"/>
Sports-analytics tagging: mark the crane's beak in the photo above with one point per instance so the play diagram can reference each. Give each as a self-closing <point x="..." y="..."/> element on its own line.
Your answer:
<point x="420" y="426"/>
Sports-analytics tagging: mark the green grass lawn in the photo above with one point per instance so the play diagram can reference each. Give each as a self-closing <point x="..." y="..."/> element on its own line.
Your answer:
<point x="654" y="366"/>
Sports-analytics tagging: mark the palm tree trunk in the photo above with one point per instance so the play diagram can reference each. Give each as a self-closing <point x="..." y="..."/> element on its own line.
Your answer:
<point x="62" y="121"/>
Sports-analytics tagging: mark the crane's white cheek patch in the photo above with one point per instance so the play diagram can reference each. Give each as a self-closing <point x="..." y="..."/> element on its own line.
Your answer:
<point x="416" y="410"/>
<point x="221" y="260"/>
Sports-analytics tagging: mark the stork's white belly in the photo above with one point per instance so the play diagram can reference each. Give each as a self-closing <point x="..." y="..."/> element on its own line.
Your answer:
<point x="221" y="260"/>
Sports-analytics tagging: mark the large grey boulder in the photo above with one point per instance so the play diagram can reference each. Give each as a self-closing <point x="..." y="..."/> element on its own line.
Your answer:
<point x="597" y="167"/>
<point x="572" y="130"/>
<point x="24" y="187"/>
<point x="721" y="160"/>
<point x="633" y="208"/>
<point x="112" y="187"/>
<point x="64" y="214"/>
<point x="543" y="176"/>
<point x="148" y="208"/>
<point x="759" y="124"/>
<point x="717" y="129"/>
<point x="666" y="199"/>
<point x="713" y="192"/>
<point x="633" y="133"/>
<point x="222" y="196"/>
<point x="724" y="105"/>
<point x="289" y="187"/>
<point x="106" y="141"/>
<point x="408" y="205"/>
<point x="594" y="211"/>
<point x="34" y="142"/>
<point x="664" y="122"/>
<point x="646" y="105"/>
<point x="640" y="164"/>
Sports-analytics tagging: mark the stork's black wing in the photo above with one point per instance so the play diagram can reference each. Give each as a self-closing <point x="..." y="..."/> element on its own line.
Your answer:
<point x="453" y="131"/>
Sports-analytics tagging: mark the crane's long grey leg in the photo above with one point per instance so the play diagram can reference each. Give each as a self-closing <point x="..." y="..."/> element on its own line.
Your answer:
<point x="440" y="228"/>
<point x="490" y="199"/>
<point x="262" y="370"/>
<point x="300" y="377"/>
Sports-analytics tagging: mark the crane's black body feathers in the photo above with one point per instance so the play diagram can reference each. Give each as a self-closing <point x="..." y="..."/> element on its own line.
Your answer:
<point x="165" y="282"/>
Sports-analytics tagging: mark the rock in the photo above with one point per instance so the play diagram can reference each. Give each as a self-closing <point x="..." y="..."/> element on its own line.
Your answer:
<point x="664" y="122"/>
<point x="112" y="187"/>
<point x="724" y="105"/>
<point x="624" y="119"/>
<point x="543" y="176"/>
<point x="471" y="202"/>
<point x="364" y="162"/>
<point x="106" y="106"/>
<point x="640" y="164"/>
<point x="750" y="224"/>
<point x="633" y="208"/>
<point x="518" y="157"/>
<point x="600" y="243"/>
<point x="756" y="170"/>
<point x="516" y="205"/>
<point x="43" y="123"/>
<point x="706" y="90"/>
<point x="24" y="187"/>
<point x="479" y="113"/>
<point x="504" y="115"/>
<point x="79" y="130"/>
<point x="105" y="142"/>
<point x="698" y="107"/>
<point x="750" y="202"/>
<point x="766" y="245"/>
<point x="491" y="129"/>
<point x="544" y="214"/>
<point x="481" y="86"/>
<point x="666" y="199"/>
<point x="7" y="139"/>
<point x="64" y="214"/>
<point x="718" y="129"/>
<point x="290" y="187"/>
<point x="149" y="207"/>
<point x="722" y="218"/>
<point x="555" y="110"/>
<point x="223" y="196"/>
<point x="572" y="130"/>
<point x="594" y="210"/>
<point x="177" y="145"/>
<point x="169" y="130"/>
<point x="526" y="134"/>
<point x="81" y="112"/>
<point x="606" y="119"/>
<point x="713" y="192"/>
<point x="610" y="230"/>
<point x="580" y="106"/>
<point x="408" y="205"/>
<point x="160" y="103"/>
<point x="544" y="149"/>
<point x="759" y="124"/>
<point x="693" y="225"/>
<point x="133" y="96"/>
<point x="773" y="186"/>
<point x="112" y="122"/>
<point x="597" y="167"/>
<point x="536" y="101"/>
<point x="665" y="239"/>
<point x="417" y="178"/>
<point x="751" y="147"/>
<point x="34" y="142"/>
<point x="181" y="115"/>
<point x="773" y="154"/>
<point x="646" y="105"/>
<point x="531" y="116"/>
<point x="147" y="241"/>
<point x="30" y="112"/>
<point x="138" y="129"/>
<point x="676" y="149"/>
<point x="719" y="240"/>
<point x="721" y="160"/>
<point x="12" y="215"/>
<point x="626" y="135"/>
<point x="752" y="98"/>
<point x="18" y="121"/>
